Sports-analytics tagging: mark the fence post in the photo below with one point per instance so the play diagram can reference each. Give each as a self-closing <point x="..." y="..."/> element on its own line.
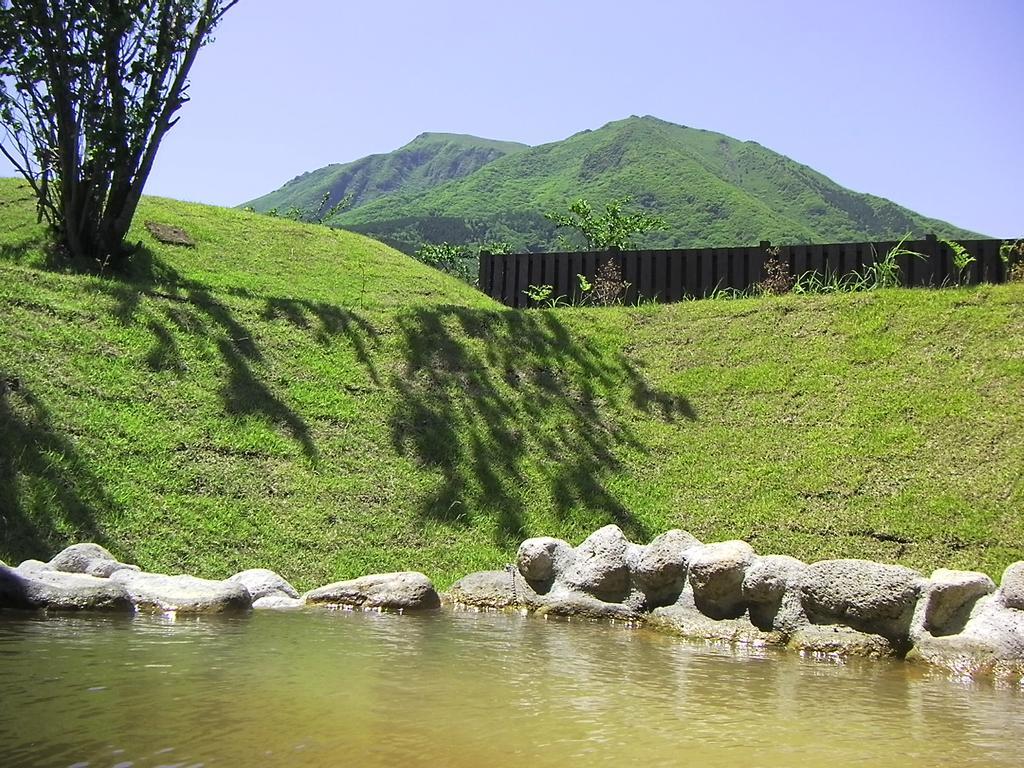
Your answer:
<point x="935" y="271"/>
<point x="484" y="272"/>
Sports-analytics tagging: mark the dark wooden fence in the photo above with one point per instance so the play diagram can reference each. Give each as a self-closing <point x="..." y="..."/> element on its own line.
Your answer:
<point x="673" y="275"/>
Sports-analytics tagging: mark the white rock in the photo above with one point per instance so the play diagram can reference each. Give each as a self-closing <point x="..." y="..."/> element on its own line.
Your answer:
<point x="183" y="594"/>
<point x="405" y="590"/>
<point x="262" y="582"/>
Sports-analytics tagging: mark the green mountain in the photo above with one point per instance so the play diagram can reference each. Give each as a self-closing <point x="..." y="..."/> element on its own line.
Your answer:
<point x="427" y="161"/>
<point x="712" y="190"/>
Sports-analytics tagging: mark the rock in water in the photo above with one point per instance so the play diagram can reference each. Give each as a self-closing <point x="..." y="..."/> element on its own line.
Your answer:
<point x="837" y="640"/>
<point x="599" y="565"/>
<point x="278" y="602"/>
<point x="542" y="559"/>
<point x="407" y="590"/>
<point x="184" y="594"/>
<point x="771" y="588"/>
<point x="88" y="558"/>
<point x="716" y="576"/>
<point x="948" y="598"/>
<point x="262" y="582"/>
<point x="57" y="591"/>
<point x="487" y="589"/>
<point x="870" y="597"/>
<point x="660" y="570"/>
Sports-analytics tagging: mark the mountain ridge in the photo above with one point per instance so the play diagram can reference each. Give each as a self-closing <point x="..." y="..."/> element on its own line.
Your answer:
<point x="427" y="160"/>
<point x="711" y="189"/>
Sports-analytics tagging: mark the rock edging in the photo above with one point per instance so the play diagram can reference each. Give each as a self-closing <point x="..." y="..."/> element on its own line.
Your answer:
<point x="726" y="592"/>
<point x="86" y="577"/>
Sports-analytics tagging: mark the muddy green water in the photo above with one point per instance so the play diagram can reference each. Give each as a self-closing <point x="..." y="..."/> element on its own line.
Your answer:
<point x="322" y="688"/>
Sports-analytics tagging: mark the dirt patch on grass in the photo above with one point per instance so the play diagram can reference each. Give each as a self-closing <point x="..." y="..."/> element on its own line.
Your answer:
<point x="170" y="235"/>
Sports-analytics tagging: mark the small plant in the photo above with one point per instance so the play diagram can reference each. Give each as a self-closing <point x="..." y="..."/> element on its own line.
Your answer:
<point x="885" y="273"/>
<point x="777" y="279"/>
<point x="457" y="260"/>
<point x="726" y="294"/>
<point x="541" y="294"/>
<point x="830" y="282"/>
<point x="611" y="229"/>
<point x="962" y="258"/>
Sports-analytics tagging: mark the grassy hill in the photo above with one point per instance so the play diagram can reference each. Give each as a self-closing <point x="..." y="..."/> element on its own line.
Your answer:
<point x="712" y="190"/>
<point x="427" y="161"/>
<point x="289" y="396"/>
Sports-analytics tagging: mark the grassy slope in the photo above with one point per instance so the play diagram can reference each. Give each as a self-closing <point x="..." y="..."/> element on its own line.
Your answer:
<point x="309" y="401"/>
<point x="427" y="161"/>
<point x="711" y="189"/>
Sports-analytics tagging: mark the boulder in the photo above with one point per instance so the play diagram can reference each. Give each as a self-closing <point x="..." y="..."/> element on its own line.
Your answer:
<point x="840" y="641"/>
<point x="947" y="600"/>
<point x="992" y="641"/>
<point x="771" y="588"/>
<point x="542" y="559"/>
<point x="659" y="569"/>
<point x="1011" y="587"/>
<point x="88" y="558"/>
<point x="867" y="596"/>
<point x="716" y="577"/>
<point x="33" y="566"/>
<point x="184" y="594"/>
<point x="579" y="604"/>
<point x="406" y="590"/>
<point x="278" y="601"/>
<point x="599" y="566"/>
<point x="261" y="582"/>
<point x="768" y="577"/>
<point x="490" y="589"/>
<point x="57" y="591"/>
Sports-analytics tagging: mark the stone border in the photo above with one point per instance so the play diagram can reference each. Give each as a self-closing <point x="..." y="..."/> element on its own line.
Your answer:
<point x="726" y="592"/>
<point x="722" y="591"/>
<point x="88" y="577"/>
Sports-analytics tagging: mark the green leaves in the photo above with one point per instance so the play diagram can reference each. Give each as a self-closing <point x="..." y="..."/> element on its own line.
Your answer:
<point x="457" y="260"/>
<point x="611" y="229"/>
<point x="87" y="92"/>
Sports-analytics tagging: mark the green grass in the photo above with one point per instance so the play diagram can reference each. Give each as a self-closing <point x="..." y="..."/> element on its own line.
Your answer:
<point x="307" y="400"/>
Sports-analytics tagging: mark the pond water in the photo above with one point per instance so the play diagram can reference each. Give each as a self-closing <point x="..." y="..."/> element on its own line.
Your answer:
<point x="335" y="688"/>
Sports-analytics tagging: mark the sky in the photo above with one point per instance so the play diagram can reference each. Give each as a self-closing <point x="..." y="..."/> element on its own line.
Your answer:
<point x="919" y="102"/>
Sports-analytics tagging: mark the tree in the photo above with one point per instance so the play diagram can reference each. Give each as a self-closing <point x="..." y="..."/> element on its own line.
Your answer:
<point x="611" y="229"/>
<point x="88" y="90"/>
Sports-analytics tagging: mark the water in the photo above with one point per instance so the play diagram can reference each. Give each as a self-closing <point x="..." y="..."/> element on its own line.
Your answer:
<point x="325" y="688"/>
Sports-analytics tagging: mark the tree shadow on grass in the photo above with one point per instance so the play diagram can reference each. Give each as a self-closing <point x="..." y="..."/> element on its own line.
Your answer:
<point x="493" y="399"/>
<point x="330" y="321"/>
<point x="48" y="495"/>
<point x="194" y="309"/>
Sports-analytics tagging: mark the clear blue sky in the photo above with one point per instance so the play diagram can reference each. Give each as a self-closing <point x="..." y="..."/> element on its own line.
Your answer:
<point x="920" y="102"/>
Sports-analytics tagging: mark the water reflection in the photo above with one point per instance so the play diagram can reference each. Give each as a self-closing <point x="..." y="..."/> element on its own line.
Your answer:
<point x="465" y="689"/>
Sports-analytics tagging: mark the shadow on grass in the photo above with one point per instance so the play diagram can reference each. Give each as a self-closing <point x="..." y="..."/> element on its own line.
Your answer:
<point x="48" y="495"/>
<point x="500" y="404"/>
<point x="330" y="322"/>
<point x="194" y="309"/>
<point x="492" y="400"/>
